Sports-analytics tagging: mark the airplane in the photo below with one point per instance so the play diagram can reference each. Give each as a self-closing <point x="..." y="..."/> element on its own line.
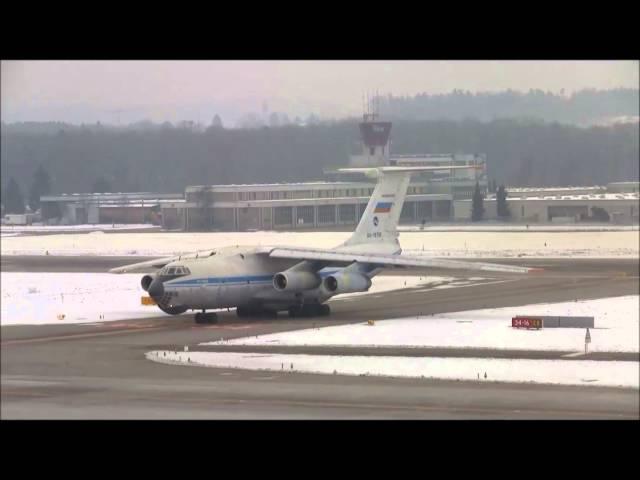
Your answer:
<point x="262" y="280"/>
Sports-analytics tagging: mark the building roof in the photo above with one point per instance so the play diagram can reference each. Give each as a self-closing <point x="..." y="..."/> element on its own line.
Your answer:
<point x="112" y="197"/>
<point x="278" y="186"/>
<point x="590" y="197"/>
<point x="550" y="189"/>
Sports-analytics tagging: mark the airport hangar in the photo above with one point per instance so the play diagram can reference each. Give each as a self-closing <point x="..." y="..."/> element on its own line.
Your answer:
<point x="339" y="202"/>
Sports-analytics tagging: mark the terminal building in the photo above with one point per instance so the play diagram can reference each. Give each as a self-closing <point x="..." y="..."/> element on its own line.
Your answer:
<point x="93" y="208"/>
<point x="620" y="201"/>
<point x="336" y="203"/>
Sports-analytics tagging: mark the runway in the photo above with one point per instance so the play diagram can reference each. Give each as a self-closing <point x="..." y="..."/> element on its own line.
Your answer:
<point x="99" y="371"/>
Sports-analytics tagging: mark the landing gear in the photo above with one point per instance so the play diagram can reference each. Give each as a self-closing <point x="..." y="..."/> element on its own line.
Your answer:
<point x="206" y="318"/>
<point x="310" y="310"/>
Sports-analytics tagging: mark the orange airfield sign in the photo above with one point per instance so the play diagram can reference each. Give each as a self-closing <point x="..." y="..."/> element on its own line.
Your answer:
<point x="526" y="322"/>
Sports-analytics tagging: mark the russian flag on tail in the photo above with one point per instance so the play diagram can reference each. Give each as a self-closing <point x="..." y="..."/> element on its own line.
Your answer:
<point x="383" y="207"/>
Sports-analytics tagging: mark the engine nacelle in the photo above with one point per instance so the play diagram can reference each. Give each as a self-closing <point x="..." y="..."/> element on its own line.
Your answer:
<point x="291" y="280"/>
<point x="145" y="282"/>
<point x="346" y="283"/>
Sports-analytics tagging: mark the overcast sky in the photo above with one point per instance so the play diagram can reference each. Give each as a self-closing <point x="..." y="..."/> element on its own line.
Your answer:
<point x="90" y="91"/>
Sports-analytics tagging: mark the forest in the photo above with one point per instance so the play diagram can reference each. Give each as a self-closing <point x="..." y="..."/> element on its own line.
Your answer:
<point x="584" y="107"/>
<point x="523" y="147"/>
<point x="519" y="153"/>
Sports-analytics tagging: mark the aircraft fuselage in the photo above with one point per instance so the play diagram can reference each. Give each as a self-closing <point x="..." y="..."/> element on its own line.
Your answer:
<point x="235" y="279"/>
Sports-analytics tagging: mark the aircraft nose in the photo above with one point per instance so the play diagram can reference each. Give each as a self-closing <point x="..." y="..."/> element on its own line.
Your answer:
<point x="156" y="289"/>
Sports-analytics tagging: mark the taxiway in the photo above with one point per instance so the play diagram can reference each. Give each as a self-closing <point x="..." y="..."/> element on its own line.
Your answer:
<point x="100" y="371"/>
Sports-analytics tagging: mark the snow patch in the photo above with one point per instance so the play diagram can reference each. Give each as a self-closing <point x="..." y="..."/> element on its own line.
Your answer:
<point x="616" y="321"/>
<point x="464" y="244"/>
<point x="566" y="372"/>
<point x="62" y="298"/>
<point x="17" y="229"/>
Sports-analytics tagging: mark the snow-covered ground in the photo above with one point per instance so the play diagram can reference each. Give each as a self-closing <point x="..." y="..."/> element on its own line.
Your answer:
<point x="38" y="298"/>
<point x="505" y="227"/>
<point x="616" y="322"/>
<point x="15" y="230"/>
<point x="462" y="244"/>
<point x="574" y="372"/>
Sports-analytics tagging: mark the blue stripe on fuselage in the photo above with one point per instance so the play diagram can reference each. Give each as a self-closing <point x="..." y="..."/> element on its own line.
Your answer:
<point x="237" y="280"/>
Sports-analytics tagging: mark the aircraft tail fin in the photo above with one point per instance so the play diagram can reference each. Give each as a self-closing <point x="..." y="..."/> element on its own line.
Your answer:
<point x="379" y="221"/>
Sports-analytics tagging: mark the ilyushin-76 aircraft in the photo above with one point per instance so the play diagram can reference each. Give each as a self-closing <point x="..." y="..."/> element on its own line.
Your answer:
<point x="261" y="280"/>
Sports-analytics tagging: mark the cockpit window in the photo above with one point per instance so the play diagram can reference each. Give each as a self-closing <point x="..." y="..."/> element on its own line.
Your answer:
<point x="174" y="271"/>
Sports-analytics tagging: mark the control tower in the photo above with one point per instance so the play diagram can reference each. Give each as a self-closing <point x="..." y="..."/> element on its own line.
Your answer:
<point x="374" y="137"/>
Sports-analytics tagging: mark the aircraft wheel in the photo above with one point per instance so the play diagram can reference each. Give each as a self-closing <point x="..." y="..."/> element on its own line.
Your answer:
<point x="242" y="312"/>
<point x="198" y="318"/>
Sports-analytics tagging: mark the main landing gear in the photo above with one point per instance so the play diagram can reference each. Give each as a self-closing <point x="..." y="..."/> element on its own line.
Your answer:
<point x="206" y="318"/>
<point x="310" y="310"/>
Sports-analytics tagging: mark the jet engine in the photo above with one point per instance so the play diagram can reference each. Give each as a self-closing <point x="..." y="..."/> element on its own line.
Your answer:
<point x="145" y="282"/>
<point x="346" y="283"/>
<point x="296" y="280"/>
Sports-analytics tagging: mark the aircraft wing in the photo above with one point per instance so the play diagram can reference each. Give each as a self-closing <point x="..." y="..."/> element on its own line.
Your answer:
<point x="134" y="267"/>
<point x="383" y="260"/>
<point x="159" y="262"/>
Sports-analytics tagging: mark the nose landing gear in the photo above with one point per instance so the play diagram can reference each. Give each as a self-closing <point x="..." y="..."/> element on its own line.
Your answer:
<point x="206" y="318"/>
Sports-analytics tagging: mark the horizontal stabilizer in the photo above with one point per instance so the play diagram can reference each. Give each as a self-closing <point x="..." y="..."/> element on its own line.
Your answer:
<point x="395" y="169"/>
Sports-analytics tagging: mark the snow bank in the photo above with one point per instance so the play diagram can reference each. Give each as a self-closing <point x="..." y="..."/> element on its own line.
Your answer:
<point x="616" y="321"/>
<point x="38" y="298"/>
<point x="455" y="244"/>
<point x="448" y="227"/>
<point x="13" y="230"/>
<point x="578" y="372"/>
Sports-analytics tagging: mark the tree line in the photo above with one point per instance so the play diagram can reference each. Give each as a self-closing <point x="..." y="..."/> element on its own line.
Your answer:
<point x="519" y="153"/>
<point x="584" y="107"/>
